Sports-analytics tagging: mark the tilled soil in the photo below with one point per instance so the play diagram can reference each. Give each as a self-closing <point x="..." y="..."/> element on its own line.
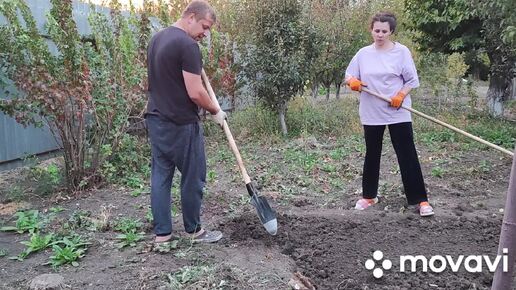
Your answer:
<point x="319" y="235"/>
<point x="332" y="247"/>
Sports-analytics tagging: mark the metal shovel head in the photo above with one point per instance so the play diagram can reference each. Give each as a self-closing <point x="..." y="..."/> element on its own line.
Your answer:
<point x="265" y="212"/>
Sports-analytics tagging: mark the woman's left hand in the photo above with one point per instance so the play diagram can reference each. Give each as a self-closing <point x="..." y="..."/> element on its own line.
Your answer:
<point x="397" y="100"/>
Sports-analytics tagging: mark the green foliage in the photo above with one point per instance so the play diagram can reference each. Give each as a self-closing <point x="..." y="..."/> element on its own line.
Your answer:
<point x="3" y="253"/>
<point x="129" y="232"/>
<point x="445" y="25"/>
<point x="129" y="163"/>
<point x="494" y="130"/>
<point x="46" y="179"/>
<point x="333" y="46"/>
<point x="439" y="136"/>
<point x="456" y="66"/>
<point x="36" y="243"/>
<point x="68" y="250"/>
<point x="453" y="26"/>
<point x="335" y="118"/>
<point x="263" y="120"/>
<point x="129" y="239"/>
<point x="85" y="94"/>
<point x="499" y="134"/>
<point x="201" y="276"/>
<point x="484" y="166"/>
<point x="438" y="172"/>
<point x="126" y="225"/>
<point x="148" y="215"/>
<point x="15" y="192"/>
<point x="219" y="64"/>
<point x="211" y="176"/>
<point x="27" y="221"/>
<point x="56" y="209"/>
<point x="79" y="219"/>
<point x="305" y="159"/>
<point x="276" y="52"/>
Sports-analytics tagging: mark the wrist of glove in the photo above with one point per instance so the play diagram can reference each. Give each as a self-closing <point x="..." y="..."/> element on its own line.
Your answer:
<point x="397" y="100"/>
<point x="219" y="118"/>
<point x="355" y="84"/>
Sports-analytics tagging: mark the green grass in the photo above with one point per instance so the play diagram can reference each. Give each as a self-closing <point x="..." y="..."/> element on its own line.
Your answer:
<point x="334" y="118"/>
<point x="495" y="130"/>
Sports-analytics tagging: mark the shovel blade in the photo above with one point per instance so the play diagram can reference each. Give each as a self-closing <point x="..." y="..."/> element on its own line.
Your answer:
<point x="265" y="212"/>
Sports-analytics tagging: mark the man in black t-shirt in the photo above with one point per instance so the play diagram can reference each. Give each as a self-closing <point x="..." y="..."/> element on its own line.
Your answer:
<point x="175" y="94"/>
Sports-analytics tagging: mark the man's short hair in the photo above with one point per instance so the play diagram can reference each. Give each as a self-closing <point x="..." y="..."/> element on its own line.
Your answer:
<point x="200" y="9"/>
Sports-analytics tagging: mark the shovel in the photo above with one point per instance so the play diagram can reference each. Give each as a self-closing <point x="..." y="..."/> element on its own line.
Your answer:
<point x="265" y="212"/>
<point x="501" y="149"/>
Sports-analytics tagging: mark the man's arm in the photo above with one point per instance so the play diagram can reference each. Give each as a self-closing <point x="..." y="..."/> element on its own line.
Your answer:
<point x="198" y="93"/>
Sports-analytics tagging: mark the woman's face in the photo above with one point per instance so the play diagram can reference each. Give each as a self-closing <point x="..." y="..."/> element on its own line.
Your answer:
<point x="381" y="32"/>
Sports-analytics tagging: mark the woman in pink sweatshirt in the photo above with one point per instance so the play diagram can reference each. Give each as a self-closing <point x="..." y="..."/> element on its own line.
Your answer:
<point x="387" y="67"/>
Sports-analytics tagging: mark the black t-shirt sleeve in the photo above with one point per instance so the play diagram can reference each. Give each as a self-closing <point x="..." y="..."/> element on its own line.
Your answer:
<point x="191" y="60"/>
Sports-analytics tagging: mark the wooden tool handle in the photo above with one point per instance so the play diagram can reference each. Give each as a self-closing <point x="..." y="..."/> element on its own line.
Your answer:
<point x="443" y="124"/>
<point x="229" y="136"/>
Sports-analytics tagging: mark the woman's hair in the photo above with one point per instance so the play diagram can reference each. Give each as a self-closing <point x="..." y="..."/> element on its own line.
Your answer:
<point x="385" y="17"/>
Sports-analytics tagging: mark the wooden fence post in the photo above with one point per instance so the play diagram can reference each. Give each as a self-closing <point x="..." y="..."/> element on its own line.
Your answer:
<point x="504" y="280"/>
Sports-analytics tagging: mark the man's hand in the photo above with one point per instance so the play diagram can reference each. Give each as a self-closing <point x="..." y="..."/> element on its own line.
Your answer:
<point x="397" y="100"/>
<point x="219" y="118"/>
<point x="355" y="84"/>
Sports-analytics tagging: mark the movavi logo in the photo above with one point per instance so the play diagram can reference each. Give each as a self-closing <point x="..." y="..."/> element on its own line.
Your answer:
<point x="438" y="263"/>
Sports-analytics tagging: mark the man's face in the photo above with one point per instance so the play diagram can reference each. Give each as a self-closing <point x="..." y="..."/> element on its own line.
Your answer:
<point x="198" y="29"/>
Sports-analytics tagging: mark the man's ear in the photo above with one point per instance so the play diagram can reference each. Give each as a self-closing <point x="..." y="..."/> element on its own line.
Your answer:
<point x="191" y="18"/>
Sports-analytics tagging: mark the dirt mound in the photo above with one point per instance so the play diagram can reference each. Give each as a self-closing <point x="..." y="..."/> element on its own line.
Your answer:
<point x="332" y="248"/>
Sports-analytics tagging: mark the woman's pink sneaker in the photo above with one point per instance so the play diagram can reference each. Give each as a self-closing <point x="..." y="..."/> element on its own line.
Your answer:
<point x="364" y="203"/>
<point x="425" y="209"/>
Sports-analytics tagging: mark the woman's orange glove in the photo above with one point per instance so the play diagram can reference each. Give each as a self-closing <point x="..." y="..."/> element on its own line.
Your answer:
<point x="355" y="84"/>
<point x="397" y="100"/>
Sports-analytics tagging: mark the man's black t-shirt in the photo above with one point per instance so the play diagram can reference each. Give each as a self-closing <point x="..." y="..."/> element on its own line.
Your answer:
<point x="171" y="51"/>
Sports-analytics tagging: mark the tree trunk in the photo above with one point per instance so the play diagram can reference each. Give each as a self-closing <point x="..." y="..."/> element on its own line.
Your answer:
<point x="315" y="90"/>
<point x="337" y="92"/>
<point x="328" y="89"/>
<point x="282" y="111"/>
<point x="495" y="95"/>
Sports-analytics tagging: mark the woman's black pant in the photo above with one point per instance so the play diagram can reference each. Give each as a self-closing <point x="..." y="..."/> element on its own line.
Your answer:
<point x="403" y="142"/>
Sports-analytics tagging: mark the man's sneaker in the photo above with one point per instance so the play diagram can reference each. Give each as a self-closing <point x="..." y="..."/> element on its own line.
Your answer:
<point x="364" y="203"/>
<point x="164" y="239"/>
<point x="425" y="209"/>
<point x="206" y="236"/>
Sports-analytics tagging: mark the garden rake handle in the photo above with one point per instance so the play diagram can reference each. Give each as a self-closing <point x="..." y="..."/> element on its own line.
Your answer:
<point x="229" y="136"/>
<point x="443" y="124"/>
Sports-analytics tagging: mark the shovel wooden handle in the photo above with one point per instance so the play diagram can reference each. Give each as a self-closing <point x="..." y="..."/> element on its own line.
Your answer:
<point x="443" y="124"/>
<point x="229" y="136"/>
